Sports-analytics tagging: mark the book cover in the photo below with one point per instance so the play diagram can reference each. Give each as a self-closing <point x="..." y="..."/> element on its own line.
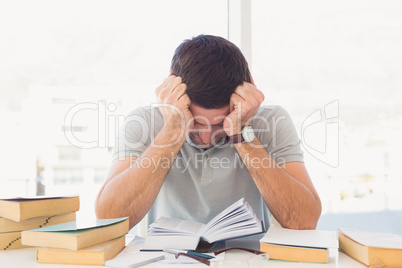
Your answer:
<point x="371" y="248"/>
<point x="236" y="221"/>
<point x="22" y="208"/>
<point x="298" y="245"/>
<point x="75" y="235"/>
<point x="93" y="255"/>
<point x="7" y="225"/>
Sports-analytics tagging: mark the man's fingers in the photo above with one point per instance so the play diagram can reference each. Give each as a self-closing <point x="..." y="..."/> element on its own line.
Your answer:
<point x="179" y="91"/>
<point x="174" y="90"/>
<point x="235" y="101"/>
<point x="167" y="91"/>
<point x="244" y="93"/>
<point x="173" y="83"/>
<point x="250" y="93"/>
<point x="248" y="99"/>
<point x="260" y="94"/>
<point x="168" y="79"/>
<point x="164" y="84"/>
<point x="172" y="86"/>
<point x="184" y="100"/>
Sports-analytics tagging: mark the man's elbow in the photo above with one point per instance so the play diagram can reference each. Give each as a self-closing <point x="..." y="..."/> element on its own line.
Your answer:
<point x="317" y="213"/>
<point x="307" y="221"/>
<point x="311" y="223"/>
<point x="305" y="225"/>
<point x="308" y="224"/>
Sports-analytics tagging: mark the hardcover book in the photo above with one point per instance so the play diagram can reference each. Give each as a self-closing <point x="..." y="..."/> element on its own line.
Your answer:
<point x="298" y="245"/>
<point x="93" y="255"/>
<point x="71" y="235"/>
<point x="22" y="208"/>
<point x="371" y="248"/>
<point x="7" y="225"/>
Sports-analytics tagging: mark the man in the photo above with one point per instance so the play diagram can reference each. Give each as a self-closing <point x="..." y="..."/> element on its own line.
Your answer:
<point x="195" y="153"/>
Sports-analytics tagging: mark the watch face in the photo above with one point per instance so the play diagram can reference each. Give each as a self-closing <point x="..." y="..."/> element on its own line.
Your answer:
<point x="248" y="134"/>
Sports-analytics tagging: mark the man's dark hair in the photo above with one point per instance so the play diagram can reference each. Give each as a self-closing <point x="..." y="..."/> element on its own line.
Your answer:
<point x="211" y="67"/>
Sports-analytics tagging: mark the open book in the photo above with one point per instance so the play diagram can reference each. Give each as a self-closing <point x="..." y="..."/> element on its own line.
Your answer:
<point x="236" y="221"/>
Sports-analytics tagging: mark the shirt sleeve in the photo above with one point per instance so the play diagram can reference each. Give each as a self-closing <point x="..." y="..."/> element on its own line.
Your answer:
<point x="275" y="130"/>
<point x="136" y="132"/>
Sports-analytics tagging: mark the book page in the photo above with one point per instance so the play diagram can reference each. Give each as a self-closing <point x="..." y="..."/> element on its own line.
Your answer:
<point x="239" y="228"/>
<point x="235" y="216"/>
<point x="303" y="238"/>
<point x="236" y="221"/>
<point x="131" y="256"/>
<point x="374" y="239"/>
<point x="225" y="213"/>
<point x="167" y="226"/>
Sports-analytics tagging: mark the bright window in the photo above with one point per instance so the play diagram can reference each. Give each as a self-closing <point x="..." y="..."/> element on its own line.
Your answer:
<point x="336" y="67"/>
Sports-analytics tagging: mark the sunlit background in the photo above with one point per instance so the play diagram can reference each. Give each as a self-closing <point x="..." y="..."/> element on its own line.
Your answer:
<point x="71" y="70"/>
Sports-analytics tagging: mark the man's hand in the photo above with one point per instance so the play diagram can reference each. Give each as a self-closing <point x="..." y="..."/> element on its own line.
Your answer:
<point x="173" y="104"/>
<point x="244" y="103"/>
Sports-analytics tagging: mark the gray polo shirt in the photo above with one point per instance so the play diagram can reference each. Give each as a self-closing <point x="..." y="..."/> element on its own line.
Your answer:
<point x="201" y="183"/>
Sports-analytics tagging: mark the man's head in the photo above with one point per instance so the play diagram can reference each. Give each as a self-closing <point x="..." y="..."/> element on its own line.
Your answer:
<point x="212" y="68"/>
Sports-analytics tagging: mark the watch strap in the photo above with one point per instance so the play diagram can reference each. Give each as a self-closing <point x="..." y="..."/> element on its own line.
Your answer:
<point x="238" y="138"/>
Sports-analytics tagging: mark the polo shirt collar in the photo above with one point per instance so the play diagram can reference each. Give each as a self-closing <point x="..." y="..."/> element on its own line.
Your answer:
<point x="220" y="142"/>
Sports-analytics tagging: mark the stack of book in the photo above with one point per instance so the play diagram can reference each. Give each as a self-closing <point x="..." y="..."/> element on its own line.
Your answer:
<point x="20" y="214"/>
<point x="86" y="243"/>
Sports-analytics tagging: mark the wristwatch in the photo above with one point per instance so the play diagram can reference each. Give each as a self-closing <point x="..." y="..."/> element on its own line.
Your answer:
<point x="246" y="135"/>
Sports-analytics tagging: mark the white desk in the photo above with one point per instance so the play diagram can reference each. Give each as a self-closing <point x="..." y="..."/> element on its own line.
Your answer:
<point x="21" y="258"/>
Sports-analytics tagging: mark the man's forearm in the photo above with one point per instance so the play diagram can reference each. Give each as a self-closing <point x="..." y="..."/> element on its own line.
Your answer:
<point x="291" y="202"/>
<point x="133" y="191"/>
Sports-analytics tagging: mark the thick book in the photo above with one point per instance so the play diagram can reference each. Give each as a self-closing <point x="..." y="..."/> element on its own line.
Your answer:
<point x="7" y="225"/>
<point x="73" y="235"/>
<point x="22" y="208"/>
<point x="93" y="255"/>
<point x="298" y="245"/>
<point x="238" y="220"/>
<point x="371" y="248"/>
